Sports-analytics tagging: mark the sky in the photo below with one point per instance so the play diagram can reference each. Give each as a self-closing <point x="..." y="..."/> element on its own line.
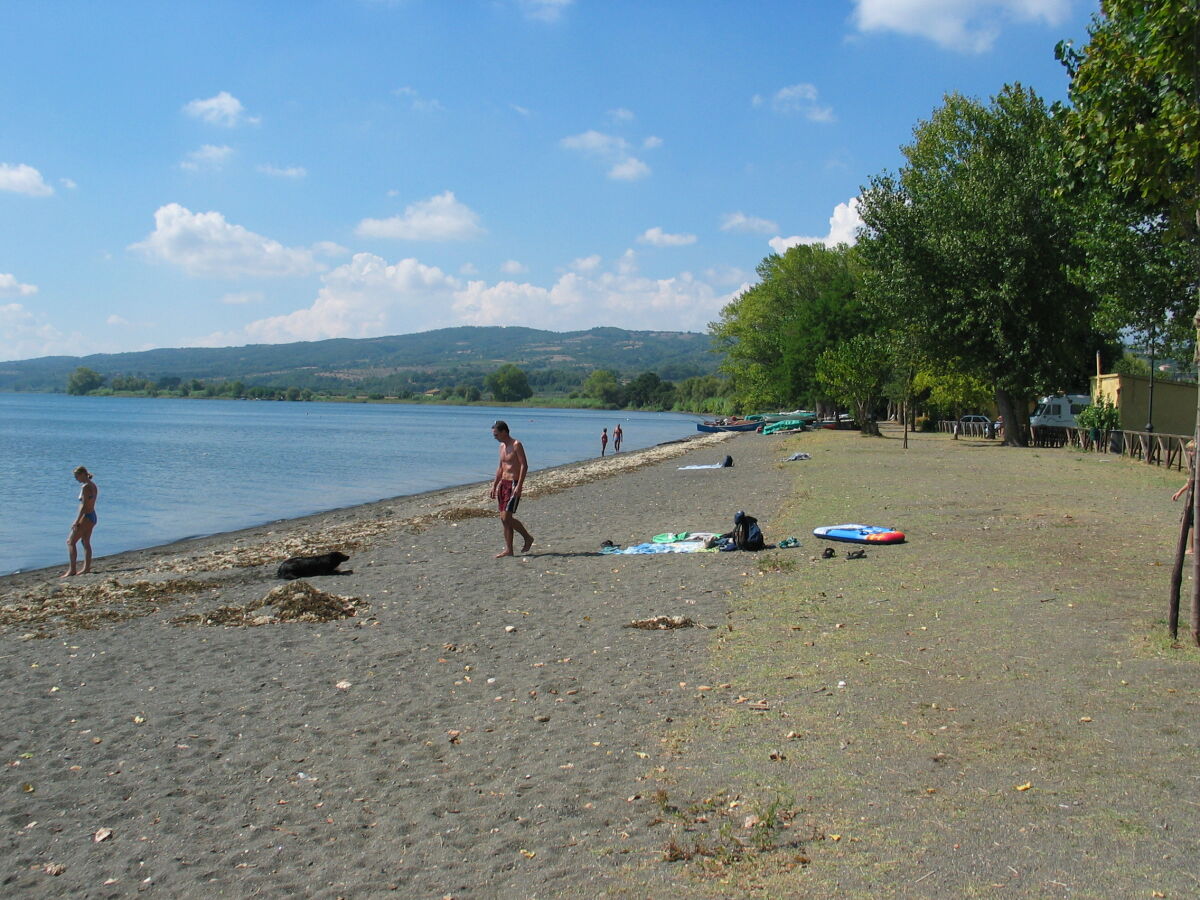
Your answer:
<point x="227" y="173"/>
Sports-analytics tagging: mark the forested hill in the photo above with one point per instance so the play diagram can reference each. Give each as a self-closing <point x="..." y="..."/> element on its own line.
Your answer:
<point x="445" y="354"/>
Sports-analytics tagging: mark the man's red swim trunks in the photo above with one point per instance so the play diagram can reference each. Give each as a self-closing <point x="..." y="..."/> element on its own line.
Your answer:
<point x="506" y="498"/>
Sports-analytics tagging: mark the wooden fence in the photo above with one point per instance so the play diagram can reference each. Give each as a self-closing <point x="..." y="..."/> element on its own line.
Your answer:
<point x="1150" y="447"/>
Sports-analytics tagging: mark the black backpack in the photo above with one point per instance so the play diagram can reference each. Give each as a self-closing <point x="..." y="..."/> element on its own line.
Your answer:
<point x="746" y="533"/>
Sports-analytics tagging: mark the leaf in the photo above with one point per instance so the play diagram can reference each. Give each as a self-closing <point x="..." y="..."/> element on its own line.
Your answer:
<point x="102" y="834"/>
<point x="1023" y="787"/>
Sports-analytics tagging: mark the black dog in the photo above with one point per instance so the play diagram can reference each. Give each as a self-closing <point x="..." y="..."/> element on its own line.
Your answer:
<point x="308" y="566"/>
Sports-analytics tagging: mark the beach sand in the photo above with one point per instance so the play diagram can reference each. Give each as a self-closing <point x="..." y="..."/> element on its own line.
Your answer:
<point x="478" y="729"/>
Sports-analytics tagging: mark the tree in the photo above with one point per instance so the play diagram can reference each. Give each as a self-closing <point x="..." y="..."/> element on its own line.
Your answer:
<point x="602" y="384"/>
<point x="1136" y="123"/>
<point x="969" y="246"/>
<point x="508" y="384"/>
<point x="807" y="301"/>
<point x="648" y="390"/>
<point x="83" y="381"/>
<point x="854" y="373"/>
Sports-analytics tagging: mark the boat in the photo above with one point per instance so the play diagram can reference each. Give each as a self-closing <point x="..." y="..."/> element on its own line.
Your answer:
<point x="787" y="425"/>
<point x="860" y="534"/>
<point x="713" y="427"/>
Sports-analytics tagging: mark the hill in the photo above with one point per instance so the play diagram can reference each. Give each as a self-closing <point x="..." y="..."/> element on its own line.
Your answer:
<point x="435" y="358"/>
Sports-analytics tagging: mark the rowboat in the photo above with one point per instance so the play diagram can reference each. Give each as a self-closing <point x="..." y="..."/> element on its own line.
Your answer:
<point x="713" y="427"/>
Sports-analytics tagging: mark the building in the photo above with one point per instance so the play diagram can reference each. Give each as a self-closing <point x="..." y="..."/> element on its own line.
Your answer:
<point x="1174" y="402"/>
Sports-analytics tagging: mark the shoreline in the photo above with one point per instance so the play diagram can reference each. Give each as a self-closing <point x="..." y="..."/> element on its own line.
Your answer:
<point x="362" y="520"/>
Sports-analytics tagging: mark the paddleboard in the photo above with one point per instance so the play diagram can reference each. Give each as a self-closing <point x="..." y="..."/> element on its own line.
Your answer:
<point x="860" y="534"/>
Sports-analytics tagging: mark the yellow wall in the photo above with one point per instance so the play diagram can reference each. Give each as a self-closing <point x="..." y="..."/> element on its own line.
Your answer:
<point x="1174" y="402"/>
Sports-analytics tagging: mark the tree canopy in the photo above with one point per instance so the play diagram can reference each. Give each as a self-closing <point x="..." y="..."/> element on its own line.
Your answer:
<point x="508" y="384"/>
<point x="969" y="247"/>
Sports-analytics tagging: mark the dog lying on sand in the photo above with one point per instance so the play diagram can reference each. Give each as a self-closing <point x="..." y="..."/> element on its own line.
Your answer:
<point x="309" y="566"/>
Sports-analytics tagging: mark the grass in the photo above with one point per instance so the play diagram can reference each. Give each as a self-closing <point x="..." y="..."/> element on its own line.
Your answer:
<point x="998" y="695"/>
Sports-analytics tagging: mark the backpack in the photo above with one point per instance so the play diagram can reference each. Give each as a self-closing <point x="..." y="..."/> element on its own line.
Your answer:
<point x="746" y="534"/>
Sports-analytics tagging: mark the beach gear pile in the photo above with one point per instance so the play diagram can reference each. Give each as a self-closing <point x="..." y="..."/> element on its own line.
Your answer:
<point x="746" y="535"/>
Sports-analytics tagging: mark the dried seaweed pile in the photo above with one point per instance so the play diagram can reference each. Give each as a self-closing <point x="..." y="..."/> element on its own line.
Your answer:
<point x="296" y="601"/>
<point x="662" y="623"/>
<point x="76" y="606"/>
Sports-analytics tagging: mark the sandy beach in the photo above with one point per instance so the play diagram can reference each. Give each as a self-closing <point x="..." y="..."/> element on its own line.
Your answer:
<point x="989" y="709"/>
<point x="475" y="730"/>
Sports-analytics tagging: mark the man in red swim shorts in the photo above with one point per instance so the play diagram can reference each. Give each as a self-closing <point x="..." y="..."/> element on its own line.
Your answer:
<point x="507" y="485"/>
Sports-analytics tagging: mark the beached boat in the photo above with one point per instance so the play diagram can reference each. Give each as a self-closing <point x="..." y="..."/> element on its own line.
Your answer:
<point x="803" y="415"/>
<point x="787" y="425"/>
<point x="713" y="427"/>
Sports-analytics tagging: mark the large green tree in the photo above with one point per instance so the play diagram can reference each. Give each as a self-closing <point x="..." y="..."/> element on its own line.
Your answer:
<point x="854" y="373"/>
<point x="508" y="384"/>
<point x="969" y="246"/>
<point x="807" y="301"/>
<point x="83" y="380"/>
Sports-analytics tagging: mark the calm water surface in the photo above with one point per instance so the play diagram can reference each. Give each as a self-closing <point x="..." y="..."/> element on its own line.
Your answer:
<point x="170" y="469"/>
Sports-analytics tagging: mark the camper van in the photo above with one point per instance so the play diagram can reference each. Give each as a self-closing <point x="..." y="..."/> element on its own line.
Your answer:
<point x="1059" y="410"/>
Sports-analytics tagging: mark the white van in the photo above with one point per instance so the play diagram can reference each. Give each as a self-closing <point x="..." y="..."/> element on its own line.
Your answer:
<point x="1059" y="410"/>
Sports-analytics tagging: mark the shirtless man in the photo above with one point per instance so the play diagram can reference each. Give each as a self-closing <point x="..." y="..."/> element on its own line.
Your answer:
<point x="507" y="485"/>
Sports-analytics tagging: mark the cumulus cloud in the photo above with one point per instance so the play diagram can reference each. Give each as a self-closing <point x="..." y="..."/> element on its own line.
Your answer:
<point x="544" y="10"/>
<point x="739" y="221"/>
<point x="25" y="335"/>
<point x="585" y="263"/>
<point x="369" y="296"/>
<point x="207" y="157"/>
<point x="611" y="151"/>
<point x="68" y="183"/>
<point x="652" y="143"/>
<point x="283" y="172"/>
<point x="968" y="26"/>
<point x="656" y="237"/>
<point x="23" y="179"/>
<point x="796" y="99"/>
<point x="512" y="267"/>
<point x="440" y="218"/>
<point x="621" y="114"/>
<point x="204" y="244"/>
<point x="843" y="229"/>
<point x="224" y="109"/>
<point x="10" y="287"/>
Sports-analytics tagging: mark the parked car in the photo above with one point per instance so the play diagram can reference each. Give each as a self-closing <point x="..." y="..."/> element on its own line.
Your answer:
<point x="975" y="420"/>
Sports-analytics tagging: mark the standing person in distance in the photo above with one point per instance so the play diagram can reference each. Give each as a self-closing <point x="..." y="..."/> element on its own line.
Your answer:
<point x="507" y="485"/>
<point x="603" y="440"/>
<point x="617" y="435"/>
<point x="85" y="521"/>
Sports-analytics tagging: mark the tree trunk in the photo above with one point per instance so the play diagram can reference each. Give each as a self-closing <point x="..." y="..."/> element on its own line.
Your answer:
<point x="1016" y="418"/>
<point x="1195" y="617"/>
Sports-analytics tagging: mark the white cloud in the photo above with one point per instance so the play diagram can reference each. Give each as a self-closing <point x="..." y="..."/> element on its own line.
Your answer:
<point x="23" y="179"/>
<point x="369" y="296"/>
<point x="629" y="169"/>
<point x="10" y="287"/>
<point x="728" y="275"/>
<point x="656" y="237"/>
<point x="240" y="298"/>
<point x="969" y="26"/>
<point x="204" y="244"/>
<point x="512" y="267"/>
<point x="288" y="172"/>
<point x="739" y="221"/>
<point x="468" y="268"/>
<point x="224" y="109"/>
<point x="364" y="298"/>
<point x="843" y="229"/>
<point x="68" y="183"/>
<point x="419" y="103"/>
<point x="652" y="143"/>
<point x="544" y="10"/>
<point x="440" y="218"/>
<point x="798" y="99"/>
<point x="24" y="335"/>
<point x="116" y="320"/>
<point x="621" y="114"/>
<point x="207" y="157"/>
<point x="611" y="150"/>
<point x="585" y="263"/>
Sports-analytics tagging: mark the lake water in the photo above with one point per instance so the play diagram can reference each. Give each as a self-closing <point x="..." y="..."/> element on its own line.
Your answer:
<point x="170" y="469"/>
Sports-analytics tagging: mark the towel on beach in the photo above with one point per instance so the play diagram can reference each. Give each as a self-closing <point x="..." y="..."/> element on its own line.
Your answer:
<point x="796" y="456"/>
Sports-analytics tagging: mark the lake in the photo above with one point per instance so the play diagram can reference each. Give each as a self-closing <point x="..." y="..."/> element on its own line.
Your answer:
<point x="170" y="469"/>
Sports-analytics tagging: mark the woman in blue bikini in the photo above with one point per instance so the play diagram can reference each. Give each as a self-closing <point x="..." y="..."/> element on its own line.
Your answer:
<point x="85" y="521"/>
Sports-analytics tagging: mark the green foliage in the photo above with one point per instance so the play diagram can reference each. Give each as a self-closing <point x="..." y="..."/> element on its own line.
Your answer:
<point x="83" y="380"/>
<point x="602" y="384"/>
<point x="1102" y="416"/>
<point x="806" y="302"/>
<point x="648" y="391"/>
<point x="949" y="394"/>
<point x="854" y="373"/>
<point x="968" y="246"/>
<point x="1132" y="365"/>
<point x="1136" y="96"/>
<point x="508" y="384"/>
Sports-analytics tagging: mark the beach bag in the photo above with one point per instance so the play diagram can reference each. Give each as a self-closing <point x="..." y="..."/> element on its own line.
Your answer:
<point x="746" y="533"/>
<point x="728" y="464"/>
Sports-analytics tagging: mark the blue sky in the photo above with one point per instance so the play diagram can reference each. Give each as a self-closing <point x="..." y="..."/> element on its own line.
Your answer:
<point x="224" y="173"/>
